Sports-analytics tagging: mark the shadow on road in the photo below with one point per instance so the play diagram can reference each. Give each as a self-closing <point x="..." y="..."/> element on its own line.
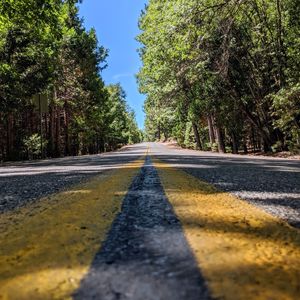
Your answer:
<point x="28" y="181"/>
<point x="271" y="184"/>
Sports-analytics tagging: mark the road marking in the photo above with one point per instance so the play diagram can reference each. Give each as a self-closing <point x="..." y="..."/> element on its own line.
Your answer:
<point x="145" y="255"/>
<point x="243" y="252"/>
<point x="47" y="247"/>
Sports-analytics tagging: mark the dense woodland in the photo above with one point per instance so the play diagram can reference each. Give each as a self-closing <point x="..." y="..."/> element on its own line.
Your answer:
<point x="222" y="75"/>
<point x="53" y="101"/>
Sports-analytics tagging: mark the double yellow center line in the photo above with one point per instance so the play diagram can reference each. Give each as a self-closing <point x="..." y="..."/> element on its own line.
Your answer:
<point x="244" y="253"/>
<point x="47" y="247"/>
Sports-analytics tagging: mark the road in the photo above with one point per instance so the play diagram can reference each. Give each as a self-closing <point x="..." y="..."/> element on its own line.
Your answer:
<point x="150" y="222"/>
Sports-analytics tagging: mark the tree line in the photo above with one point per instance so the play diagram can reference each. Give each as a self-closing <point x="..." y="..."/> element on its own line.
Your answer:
<point x="222" y="74"/>
<point x="53" y="101"/>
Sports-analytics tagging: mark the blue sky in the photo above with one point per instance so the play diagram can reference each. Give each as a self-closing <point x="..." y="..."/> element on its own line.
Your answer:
<point x="116" y="22"/>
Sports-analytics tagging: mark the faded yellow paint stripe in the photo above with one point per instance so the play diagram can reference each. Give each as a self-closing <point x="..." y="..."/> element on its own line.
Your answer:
<point x="47" y="247"/>
<point x="243" y="252"/>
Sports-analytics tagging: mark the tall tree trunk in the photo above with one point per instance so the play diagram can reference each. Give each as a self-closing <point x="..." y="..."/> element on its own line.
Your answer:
<point x="10" y="136"/>
<point x="253" y="140"/>
<point x="263" y="131"/>
<point x="266" y="146"/>
<point x="235" y="147"/>
<point x="52" y="129"/>
<point x="197" y="136"/>
<point x="212" y="138"/>
<point x="66" y="125"/>
<point x="52" y="123"/>
<point x="220" y="139"/>
<point x="166" y="135"/>
<point x="159" y="132"/>
<point x="2" y="137"/>
<point x="97" y="143"/>
<point x="219" y="136"/>
<point x="245" y="146"/>
<point x="281" y="51"/>
<point x="57" y="134"/>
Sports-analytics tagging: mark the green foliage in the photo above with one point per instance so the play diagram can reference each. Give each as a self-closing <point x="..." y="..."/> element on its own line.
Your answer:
<point x="33" y="145"/>
<point x="189" y="139"/>
<point x="44" y="48"/>
<point x="286" y="105"/>
<point x="212" y="147"/>
<point x="29" y="41"/>
<point x="220" y="61"/>
<point x="122" y="127"/>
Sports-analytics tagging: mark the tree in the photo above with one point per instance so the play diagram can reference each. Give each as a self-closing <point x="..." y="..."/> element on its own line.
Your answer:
<point x="45" y="52"/>
<point x="222" y="62"/>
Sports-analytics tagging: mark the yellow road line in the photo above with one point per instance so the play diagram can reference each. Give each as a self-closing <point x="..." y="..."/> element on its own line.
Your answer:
<point x="243" y="252"/>
<point x="47" y="247"/>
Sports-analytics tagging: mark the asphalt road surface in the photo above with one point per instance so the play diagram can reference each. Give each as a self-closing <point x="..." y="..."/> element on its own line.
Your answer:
<point x="270" y="183"/>
<point x="150" y="222"/>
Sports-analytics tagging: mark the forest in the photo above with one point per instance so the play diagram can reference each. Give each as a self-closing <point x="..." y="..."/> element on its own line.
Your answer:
<point x="53" y="100"/>
<point x="222" y="75"/>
